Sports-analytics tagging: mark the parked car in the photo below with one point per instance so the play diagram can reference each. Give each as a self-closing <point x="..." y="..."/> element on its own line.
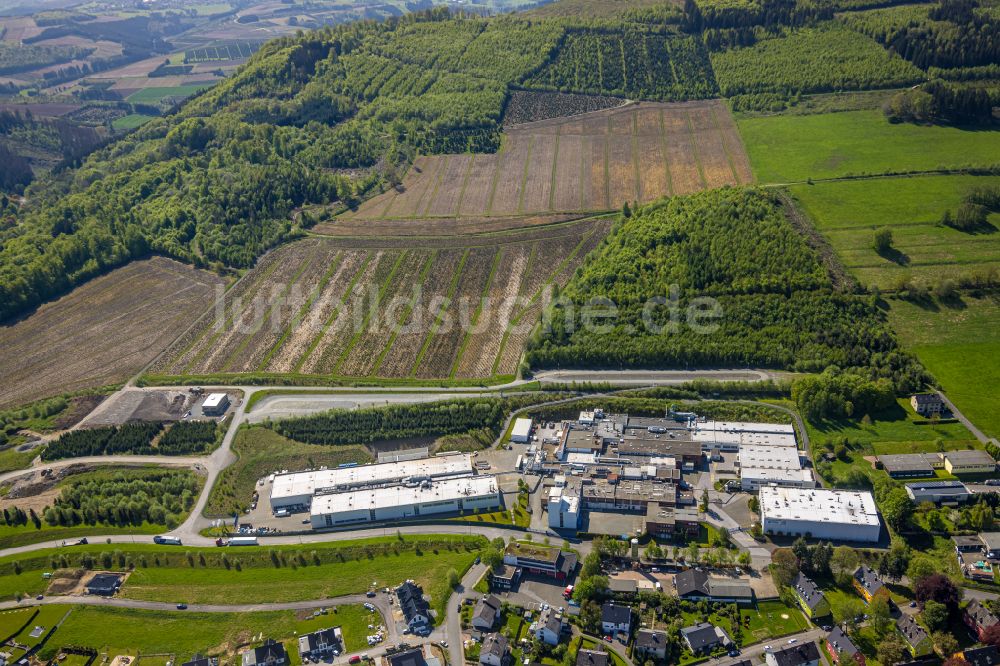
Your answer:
<point x="354" y="660"/>
<point x="181" y="606"/>
<point x="370" y="593"/>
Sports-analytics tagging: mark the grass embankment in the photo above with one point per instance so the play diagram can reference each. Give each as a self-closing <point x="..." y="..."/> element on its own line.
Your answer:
<point x="848" y="212"/>
<point x="794" y="148"/>
<point x="120" y="631"/>
<point x="262" y="451"/>
<point x="256" y="574"/>
<point x="293" y="379"/>
<point x="959" y="343"/>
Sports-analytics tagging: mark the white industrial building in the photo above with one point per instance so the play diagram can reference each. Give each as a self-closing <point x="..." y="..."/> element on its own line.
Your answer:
<point x="521" y="432"/>
<point x="564" y="510"/>
<point x="762" y="465"/>
<point x="296" y="490"/>
<point x="215" y="404"/>
<point x="427" y="498"/>
<point x="845" y="515"/>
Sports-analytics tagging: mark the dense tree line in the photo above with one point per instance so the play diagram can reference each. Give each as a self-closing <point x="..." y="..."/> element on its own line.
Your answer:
<point x="361" y="426"/>
<point x="772" y="305"/>
<point x="125" y="499"/>
<point x="939" y="101"/>
<point x="182" y="438"/>
<point x="25" y="57"/>
<point x="835" y="395"/>
<point x="953" y="33"/>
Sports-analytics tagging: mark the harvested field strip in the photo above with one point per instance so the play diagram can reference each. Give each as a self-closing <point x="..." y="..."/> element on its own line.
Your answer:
<point x="565" y="262"/>
<point x="666" y="155"/>
<point x="334" y="314"/>
<point x="467" y="333"/>
<point x="373" y="339"/>
<point x="524" y="176"/>
<point x="437" y="228"/>
<point x="552" y="177"/>
<point x="227" y="364"/>
<point x="251" y="290"/>
<point x="439" y="319"/>
<point x="529" y="265"/>
<point x="483" y="344"/>
<point x="407" y="317"/>
<point x="249" y="314"/>
<point x="440" y="356"/>
<point x="694" y="148"/>
<point x="120" y="332"/>
<point x="447" y="161"/>
<point x="372" y="308"/>
<point x="725" y="148"/>
<point x="303" y="311"/>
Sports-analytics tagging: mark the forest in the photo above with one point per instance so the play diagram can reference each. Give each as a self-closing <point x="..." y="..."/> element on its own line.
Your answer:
<point x="26" y="57"/>
<point x="125" y="498"/>
<point x="182" y="438"/>
<point x="363" y="426"/>
<point x="772" y="305"/>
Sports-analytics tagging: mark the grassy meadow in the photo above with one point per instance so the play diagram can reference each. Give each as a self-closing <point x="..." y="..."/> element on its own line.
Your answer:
<point x="116" y="631"/>
<point x="794" y="148"/>
<point x="960" y="344"/>
<point x="848" y="212"/>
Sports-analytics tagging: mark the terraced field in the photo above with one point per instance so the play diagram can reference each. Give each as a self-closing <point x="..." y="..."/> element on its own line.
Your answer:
<point x="562" y="166"/>
<point x="455" y="307"/>
<point x="103" y="332"/>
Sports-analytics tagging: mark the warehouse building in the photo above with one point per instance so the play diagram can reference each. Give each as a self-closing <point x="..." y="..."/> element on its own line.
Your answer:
<point x="844" y="515"/>
<point x="521" y="432"/>
<point x="215" y="404"/>
<point x="938" y="492"/>
<point x="772" y="465"/>
<point x="909" y="465"/>
<point x="400" y="502"/>
<point x="969" y="462"/>
<point x="295" y="491"/>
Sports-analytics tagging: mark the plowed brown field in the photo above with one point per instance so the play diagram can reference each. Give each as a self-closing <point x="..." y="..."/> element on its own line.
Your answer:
<point x="103" y="332"/>
<point x="586" y="163"/>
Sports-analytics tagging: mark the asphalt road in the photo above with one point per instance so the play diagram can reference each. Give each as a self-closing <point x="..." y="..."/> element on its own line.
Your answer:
<point x="754" y="652"/>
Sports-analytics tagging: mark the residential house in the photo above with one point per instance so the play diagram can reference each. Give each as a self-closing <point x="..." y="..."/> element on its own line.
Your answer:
<point x="651" y="644"/>
<point x="616" y="619"/>
<point x="703" y="638"/>
<point x="978" y="618"/>
<point x="486" y="613"/>
<point x="917" y="639"/>
<point x="548" y="627"/>
<point x="839" y="643"/>
<point x="321" y="644"/>
<point x="800" y="654"/>
<point x="625" y="587"/>
<point x="982" y="656"/>
<point x="696" y="585"/>
<point x="869" y="585"/>
<point x="991" y="544"/>
<point x="541" y="560"/>
<point x="927" y="404"/>
<point x="811" y="599"/>
<point x="591" y="658"/>
<point x="199" y="660"/>
<point x="967" y="544"/>
<point x="271" y="653"/>
<point x="494" y="650"/>
<point x="104" y="584"/>
<point x="414" y="607"/>
<point x="414" y="657"/>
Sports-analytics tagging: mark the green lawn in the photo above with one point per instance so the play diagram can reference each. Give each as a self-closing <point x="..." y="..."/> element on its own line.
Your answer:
<point x="11" y="536"/>
<point x="131" y="121"/>
<point x="154" y="95"/>
<point x="771" y="619"/>
<point x="961" y="348"/>
<point x="892" y="429"/>
<point x="264" y="574"/>
<point x="12" y="621"/>
<point x="47" y="617"/>
<point x="848" y="212"/>
<point x="182" y="633"/>
<point x="794" y="148"/>
<point x="11" y="459"/>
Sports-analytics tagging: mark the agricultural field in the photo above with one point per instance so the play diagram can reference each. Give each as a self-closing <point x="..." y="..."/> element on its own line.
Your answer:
<point x="230" y="51"/>
<point x="848" y="212"/>
<point x="119" y="332"/>
<point x="155" y="95"/>
<point x="959" y="343"/>
<point x="589" y="162"/>
<point x="794" y="148"/>
<point x="455" y="308"/>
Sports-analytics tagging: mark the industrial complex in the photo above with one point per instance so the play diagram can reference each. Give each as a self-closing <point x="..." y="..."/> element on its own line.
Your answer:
<point x="843" y="515"/>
